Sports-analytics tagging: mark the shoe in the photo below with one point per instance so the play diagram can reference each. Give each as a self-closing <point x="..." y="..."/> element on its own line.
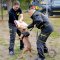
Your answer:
<point x="45" y="50"/>
<point x="39" y="58"/>
<point x="11" y="52"/>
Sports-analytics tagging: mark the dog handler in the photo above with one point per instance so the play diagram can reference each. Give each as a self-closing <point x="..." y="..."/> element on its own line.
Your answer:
<point x="41" y="22"/>
<point x="14" y="14"/>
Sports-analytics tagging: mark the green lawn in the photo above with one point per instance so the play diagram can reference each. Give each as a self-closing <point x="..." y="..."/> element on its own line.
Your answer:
<point x="4" y="12"/>
<point x="4" y="42"/>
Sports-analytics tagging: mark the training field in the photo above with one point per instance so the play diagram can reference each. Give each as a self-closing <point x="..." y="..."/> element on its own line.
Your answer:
<point x="53" y="41"/>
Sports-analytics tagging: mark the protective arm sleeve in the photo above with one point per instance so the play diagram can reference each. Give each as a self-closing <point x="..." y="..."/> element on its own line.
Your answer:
<point x="30" y="26"/>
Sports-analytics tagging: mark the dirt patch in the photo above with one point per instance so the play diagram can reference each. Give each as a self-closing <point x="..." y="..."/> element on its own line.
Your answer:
<point x="4" y="43"/>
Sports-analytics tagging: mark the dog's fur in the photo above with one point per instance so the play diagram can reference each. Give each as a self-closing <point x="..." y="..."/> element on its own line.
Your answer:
<point x="27" y="45"/>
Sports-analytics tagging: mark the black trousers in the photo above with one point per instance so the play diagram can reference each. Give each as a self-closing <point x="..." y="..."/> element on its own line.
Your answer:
<point x="13" y="30"/>
<point x="42" y="38"/>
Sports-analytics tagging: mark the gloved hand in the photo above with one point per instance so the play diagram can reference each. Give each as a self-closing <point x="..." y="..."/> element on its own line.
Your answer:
<point x="30" y="26"/>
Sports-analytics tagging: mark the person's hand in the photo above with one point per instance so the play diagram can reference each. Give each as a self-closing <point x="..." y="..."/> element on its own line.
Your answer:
<point x="15" y="23"/>
<point x="20" y="21"/>
<point x="30" y="26"/>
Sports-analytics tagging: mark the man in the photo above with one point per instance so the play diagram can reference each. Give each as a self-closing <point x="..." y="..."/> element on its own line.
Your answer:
<point x="14" y="14"/>
<point x="41" y="22"/>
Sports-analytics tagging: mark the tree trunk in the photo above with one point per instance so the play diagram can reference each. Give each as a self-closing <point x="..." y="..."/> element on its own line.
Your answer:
<point x="8" y="5"/>
<point x="1" y="9"/>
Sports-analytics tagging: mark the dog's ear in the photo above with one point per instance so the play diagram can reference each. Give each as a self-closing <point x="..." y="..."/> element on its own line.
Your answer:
<point x="21" y="24"/>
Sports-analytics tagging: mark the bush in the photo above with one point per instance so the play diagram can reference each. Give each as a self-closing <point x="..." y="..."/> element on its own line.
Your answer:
<point x="25" y="4"/>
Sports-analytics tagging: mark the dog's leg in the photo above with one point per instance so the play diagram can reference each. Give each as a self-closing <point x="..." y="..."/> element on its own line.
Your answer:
<point x="23" y="52"/>
<point x="30" y="53"/>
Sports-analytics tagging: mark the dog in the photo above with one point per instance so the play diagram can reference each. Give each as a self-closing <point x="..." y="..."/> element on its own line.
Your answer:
<point x="22" y="26"/>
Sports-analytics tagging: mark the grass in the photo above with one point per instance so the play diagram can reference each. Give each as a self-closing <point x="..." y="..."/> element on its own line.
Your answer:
<point x="54" y="21"/>
<point x="16" y="55"/>
<point x="55" y="35"/>
<point x="2" y="42"/>
<point x="56" y="25"/>
<point x="4" y="12"/>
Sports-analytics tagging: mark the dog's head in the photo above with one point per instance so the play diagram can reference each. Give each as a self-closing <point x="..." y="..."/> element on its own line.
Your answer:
<point x="21" y="25"/>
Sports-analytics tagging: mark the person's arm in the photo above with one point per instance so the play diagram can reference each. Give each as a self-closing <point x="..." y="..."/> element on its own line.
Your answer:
<point x="21" y="17"/>
<point x="30" y="25"/>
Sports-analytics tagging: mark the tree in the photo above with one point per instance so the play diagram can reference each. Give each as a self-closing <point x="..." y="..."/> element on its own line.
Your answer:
<point x="13" y="1"/>
<point x="1" y="9"/>
<point x="8" y="4"/>
<point x="28" y="1"/>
